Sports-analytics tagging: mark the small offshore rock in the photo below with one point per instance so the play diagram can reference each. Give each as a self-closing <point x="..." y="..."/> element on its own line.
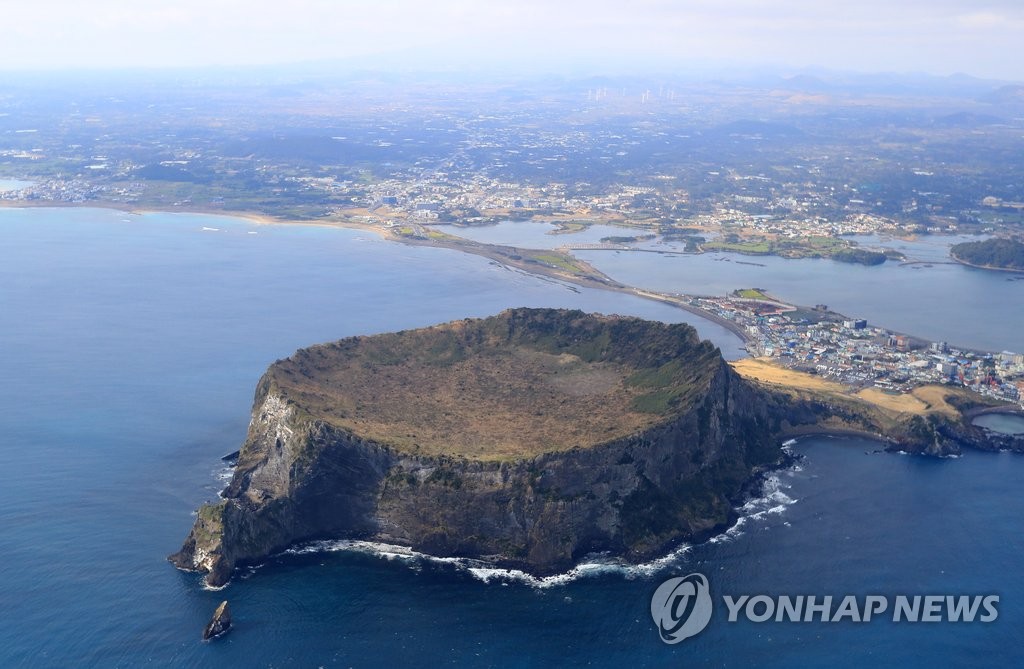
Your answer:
<point x="219" y="624"/>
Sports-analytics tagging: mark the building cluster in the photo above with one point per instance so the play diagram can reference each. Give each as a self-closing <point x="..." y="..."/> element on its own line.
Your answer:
<point x="795" y="227"/>
<point x="74" y="191"/>
<point x="431" y="195"/>
<point x="475" y="197"/>
<point x="860" y="355"/>
<point x="439" y="196"/>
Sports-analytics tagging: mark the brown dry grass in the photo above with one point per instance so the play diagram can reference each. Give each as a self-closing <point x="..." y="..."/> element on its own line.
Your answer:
<point x="762" y="369"/>
<point x="499" y="405"/>
<point x="901" y="403"/>
<point x="920" y="401"/>
<point x="935" y="399"/>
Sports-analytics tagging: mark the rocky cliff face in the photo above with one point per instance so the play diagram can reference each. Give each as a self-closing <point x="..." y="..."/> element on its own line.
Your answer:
<point x="300" y="478"/>
<point x="934" y="434"/>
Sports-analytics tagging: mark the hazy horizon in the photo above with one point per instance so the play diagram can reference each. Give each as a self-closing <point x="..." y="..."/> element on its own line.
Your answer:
<point x="939" y="37"/>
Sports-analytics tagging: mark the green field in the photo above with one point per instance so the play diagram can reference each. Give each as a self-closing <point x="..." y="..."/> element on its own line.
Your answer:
<point x="560" y="261"/>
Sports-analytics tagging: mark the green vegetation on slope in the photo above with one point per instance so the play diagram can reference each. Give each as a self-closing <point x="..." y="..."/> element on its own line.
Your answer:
<point x="860" y="256"/>
<point x="995" y="252"/>
<point x="837" y="249"/>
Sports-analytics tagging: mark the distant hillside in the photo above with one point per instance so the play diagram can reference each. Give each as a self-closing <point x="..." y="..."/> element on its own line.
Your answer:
<point x="1006" y="95"/>
<point x="967" y="120"/>
<point x="994" y="253"/>
<point x="805" y="83"/>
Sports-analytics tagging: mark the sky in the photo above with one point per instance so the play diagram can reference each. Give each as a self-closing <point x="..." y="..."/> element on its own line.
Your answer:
<point x="977" y="37"/>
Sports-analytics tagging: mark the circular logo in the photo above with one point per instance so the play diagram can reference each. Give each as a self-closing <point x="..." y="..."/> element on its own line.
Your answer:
<point x="681" y="607"/>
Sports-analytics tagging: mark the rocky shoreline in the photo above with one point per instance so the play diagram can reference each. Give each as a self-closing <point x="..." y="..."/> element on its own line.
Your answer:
<point x="301" y="478"/>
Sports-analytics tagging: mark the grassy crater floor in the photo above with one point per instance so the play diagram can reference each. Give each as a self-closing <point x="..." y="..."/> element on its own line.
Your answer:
<point x="525" y="382"/>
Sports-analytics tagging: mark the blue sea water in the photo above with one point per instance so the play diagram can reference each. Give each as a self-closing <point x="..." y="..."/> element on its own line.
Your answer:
<point x="1002" y="423"/>
<point x="937" y="300"/>
<point x="931" y="297"/>
<point x="130" y="347"/>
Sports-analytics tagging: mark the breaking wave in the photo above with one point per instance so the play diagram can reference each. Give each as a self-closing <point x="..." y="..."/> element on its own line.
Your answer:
<point x="223" y="476"/>
<point x="593" y="565"/>
<point x="772" y="500"/>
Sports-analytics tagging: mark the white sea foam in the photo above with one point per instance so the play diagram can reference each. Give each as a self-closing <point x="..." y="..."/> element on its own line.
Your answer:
<point x="773" y="500"/>
<point x="223" y="475"/>
<point x="730" y="534"/>
<point x="214" y="588"/>
<point x="593" y="565"/>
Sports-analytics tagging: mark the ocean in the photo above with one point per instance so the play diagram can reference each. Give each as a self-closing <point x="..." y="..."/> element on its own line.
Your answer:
<point x="131" y="346"/>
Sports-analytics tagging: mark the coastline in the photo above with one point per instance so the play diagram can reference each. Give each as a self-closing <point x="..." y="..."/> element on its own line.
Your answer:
<point x="987" y="267"/>
<point x="731" y="326"/>
<point x="538" y="270"/>
<point x="508" y="256"/>
<point x="816" y="431"/>
<point x="252" y="217"/>
<point x="1009" y="409"/>
<point x="756" y="498"/>
<point x="505" y="255"/>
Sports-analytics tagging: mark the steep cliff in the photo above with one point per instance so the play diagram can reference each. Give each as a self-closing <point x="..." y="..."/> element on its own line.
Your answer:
<point x="528" y="439"/>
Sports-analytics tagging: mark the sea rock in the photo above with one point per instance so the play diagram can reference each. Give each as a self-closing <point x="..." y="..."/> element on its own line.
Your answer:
<point x="219" y="624"/>
<point x="527" y="440"/>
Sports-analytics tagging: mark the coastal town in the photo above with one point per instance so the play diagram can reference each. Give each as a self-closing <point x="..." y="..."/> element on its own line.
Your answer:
<point x="738" y="175"/>
<point x="792" y="212"/>
<point x="430" y="196"/>
<point x="726" y="176"/>
<point x="495" y="334"/>
<point x="850" y="351"/>
<point x="856" y="353"/>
